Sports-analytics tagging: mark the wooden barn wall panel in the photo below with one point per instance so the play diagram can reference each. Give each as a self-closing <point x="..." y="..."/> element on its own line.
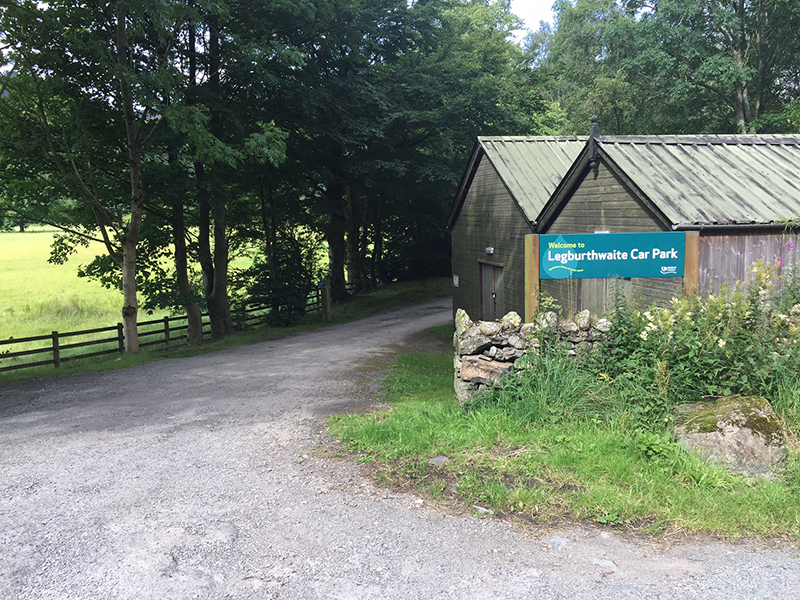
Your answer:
<point x="728" y="257"/>
<point x="489" y="218"/>
<point x="603" y="203"/>
<point x="597" y="295"/>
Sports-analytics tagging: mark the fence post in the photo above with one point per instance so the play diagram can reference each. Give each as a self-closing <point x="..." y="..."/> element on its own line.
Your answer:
<point x="166" y="333"/>
<point x="121" y="338"/>
<point x="56" y="351"/>
<point x="325" y="299"/>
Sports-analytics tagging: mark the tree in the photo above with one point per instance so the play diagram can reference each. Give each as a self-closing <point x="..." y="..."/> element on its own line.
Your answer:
<point x="747" y="53"/>
<point x="86" y="81"/>
<point x="674" y="66"/>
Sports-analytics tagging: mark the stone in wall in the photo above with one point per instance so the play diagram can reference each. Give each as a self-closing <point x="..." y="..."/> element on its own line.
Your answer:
<point x="463" y="322"/>
<point x="481" y="369"/>
<point x="472" y="341"/>
<point x="583" y="320"/>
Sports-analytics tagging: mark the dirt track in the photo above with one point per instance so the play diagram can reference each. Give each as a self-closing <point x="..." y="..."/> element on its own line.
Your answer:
<point x="200" y="478"/>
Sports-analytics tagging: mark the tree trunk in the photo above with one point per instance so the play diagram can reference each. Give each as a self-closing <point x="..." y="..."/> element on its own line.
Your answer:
<point x="334" y="234"/>
<point x="204" y="230"/>
<point x="219" y="309"/>
<point x="355" y="267"/>
<point x="377" y="244"/>
<point x="130" y="237"/>
<point x="194" y="332"/>
<point x="268" y="222"/>
<point x="130" y="306"/>
<point x="740" y="108"/>
<point x="217" y="275"/>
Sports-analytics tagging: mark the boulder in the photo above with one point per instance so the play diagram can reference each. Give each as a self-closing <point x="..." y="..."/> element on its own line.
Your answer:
<point x="480" y="369"/>
<point x="741" y="433"/>
<point x="463" y="322"/>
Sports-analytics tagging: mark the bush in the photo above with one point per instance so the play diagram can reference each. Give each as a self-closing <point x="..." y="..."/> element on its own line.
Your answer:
<point x="550" y="388"/>
<point x="732" y="343"/>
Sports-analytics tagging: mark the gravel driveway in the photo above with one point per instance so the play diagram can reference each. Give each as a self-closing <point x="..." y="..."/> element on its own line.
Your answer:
<point x="202" y="478"/>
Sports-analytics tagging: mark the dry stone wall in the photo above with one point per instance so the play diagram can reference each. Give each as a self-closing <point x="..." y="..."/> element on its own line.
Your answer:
<point x="486" y="350"/>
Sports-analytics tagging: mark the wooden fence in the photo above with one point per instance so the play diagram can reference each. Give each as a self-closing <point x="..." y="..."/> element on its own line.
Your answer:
<point x="62" y="346"/>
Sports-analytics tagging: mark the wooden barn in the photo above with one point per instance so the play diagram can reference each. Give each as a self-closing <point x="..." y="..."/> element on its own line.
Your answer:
<point x="738" y="192"/>
<point x="507" y="184"/>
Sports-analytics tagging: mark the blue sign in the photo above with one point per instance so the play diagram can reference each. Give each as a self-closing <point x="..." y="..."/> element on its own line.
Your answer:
<point x="604" y="255"/>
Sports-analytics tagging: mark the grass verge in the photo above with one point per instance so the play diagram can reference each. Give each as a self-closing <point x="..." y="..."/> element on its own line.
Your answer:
<point x="583" y="469"/>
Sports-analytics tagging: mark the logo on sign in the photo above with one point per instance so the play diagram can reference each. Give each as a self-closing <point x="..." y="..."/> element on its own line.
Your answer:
<point x="669" y="270"/>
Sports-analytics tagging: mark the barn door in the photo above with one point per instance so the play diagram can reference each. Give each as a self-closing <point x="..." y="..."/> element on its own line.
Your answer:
<point x="491" y="292"/>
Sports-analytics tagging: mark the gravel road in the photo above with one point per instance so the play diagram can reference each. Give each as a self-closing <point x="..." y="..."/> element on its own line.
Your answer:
<point x="203" y="478"/>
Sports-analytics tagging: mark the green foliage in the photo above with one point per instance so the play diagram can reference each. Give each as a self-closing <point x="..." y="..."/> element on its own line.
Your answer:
<point x="680" y="66"/>
<point x="286" y="291"/>
<point x="550" y="388"/>
<point x="717" y="345"/>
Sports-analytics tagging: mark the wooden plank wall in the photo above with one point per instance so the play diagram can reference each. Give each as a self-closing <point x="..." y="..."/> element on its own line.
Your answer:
<point x="489" y="218"/>
<point x="727" y="257"/>
<point x="602" y="203"/>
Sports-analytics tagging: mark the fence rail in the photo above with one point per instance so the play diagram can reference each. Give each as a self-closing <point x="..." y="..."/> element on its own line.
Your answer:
<point x="157" y="332"/>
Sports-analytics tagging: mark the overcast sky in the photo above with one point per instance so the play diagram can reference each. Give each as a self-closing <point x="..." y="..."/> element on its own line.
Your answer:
<point x="533" y="11"/>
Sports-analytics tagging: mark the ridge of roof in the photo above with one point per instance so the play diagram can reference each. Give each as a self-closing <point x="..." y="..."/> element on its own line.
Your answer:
<point x="532" y="138"/>
<point x="704" y="140"/>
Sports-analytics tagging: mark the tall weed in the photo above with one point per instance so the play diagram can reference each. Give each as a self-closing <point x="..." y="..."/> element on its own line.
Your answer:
<point x="549" y="388"/>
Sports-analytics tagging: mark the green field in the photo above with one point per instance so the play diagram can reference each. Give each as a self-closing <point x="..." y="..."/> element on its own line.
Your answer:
<point x="37" y="297"/>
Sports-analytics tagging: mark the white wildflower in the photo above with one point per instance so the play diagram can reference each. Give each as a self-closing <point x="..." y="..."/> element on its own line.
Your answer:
<point x="721" y="343"/>
<point x="643" y="335"/>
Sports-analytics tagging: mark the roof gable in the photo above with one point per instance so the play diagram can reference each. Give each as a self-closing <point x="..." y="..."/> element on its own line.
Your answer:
<point x="530" y="167"/>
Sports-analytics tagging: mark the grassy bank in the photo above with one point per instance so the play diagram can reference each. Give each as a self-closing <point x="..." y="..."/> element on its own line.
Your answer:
<point x="596" y="469"/>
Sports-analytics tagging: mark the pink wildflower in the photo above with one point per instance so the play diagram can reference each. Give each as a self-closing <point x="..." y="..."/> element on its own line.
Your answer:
<point x="790" y="245"/>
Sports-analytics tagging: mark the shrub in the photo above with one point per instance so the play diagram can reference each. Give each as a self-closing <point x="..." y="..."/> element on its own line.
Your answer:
<point x="730" y="343"/>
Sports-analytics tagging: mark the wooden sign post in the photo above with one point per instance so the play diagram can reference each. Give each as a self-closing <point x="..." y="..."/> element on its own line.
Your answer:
<point x="531" y="277"/>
